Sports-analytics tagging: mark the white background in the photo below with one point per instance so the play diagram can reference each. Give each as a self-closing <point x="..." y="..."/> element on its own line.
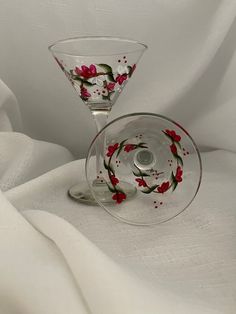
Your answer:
<point x="187" y="73"/>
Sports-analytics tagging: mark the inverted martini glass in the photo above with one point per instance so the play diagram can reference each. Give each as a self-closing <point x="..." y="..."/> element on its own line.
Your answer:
<point x="155" y="155"/>
<point x="98" y="69"/>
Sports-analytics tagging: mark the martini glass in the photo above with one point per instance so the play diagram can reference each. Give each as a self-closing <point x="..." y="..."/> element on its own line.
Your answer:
<point x="98" y="69"/>
<point x="155" y="155"/>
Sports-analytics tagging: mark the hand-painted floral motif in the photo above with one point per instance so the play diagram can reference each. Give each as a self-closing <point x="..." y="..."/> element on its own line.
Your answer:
<point x="110" y="86"/>
<point x="121" y="78"/>
<point x="111" y="149"/>
<point x="173" y="149"/>
<point x="129" y="147"/>
<point x="178" y="174"/>
<point x="163" y="187"/>
<point x="86" y="72"/>
<point x="114" y="180"/>
<point x="141" y="182"/>
<point x="175" y="137"/>
<point x="146" y="181"/>
<point x="84" y="93"/>
<point x="119" y="197"/>
<point x="98" y="81"/>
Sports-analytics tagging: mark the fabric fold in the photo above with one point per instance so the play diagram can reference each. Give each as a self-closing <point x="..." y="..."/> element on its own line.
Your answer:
<point x="107" y="287"/>
<point x="34" y="276"/>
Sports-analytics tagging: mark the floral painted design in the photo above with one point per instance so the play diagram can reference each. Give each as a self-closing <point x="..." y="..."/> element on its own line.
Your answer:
<point x="146" y="181"/>
<point x="163" y="187"/>
<point x="119" y="197"/>
<point x="84" y="94"/>
<point x="96" y="82"/>
<point x="178" y="174"/>
<point x="111" y="149"/>
<point x="141" y="182"/>
<point x="129" y="147"/>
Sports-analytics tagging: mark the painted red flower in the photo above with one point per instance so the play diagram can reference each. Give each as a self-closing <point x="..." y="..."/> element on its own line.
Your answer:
<point x="132" y="69"/>
<point x="178" y="175"/>
<point x="111" y="86"/>
<point x="121" y="78"/>
<point x="86" y="72"/>
<point x="163" y="187"/>
<point x="114" y="180"/>
<point x="173" y="135"/>
<point x="111" y="149"/>
<point x="84" y="93"/>
<point x="119" y="197"/>
<point x="141" y="182"/>
<point x="129" y="147"/>
<point x="173" y="149"/>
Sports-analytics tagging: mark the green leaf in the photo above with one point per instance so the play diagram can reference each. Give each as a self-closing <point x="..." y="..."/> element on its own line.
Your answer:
<point x="111" y="169"/>
<point x="179" y="159"/>
<point x="150" y="189"/>
<point x="86" y="83"/>
<point x="77" y="78"/>
<point x="142" y="143"/>
<point x="105" y="97"/>
<point x="174" y="185"/>
<point x="118" y="189"/>
<point x="174" y="182"/>
<point x="111" y="77"/>
<point x="141" y="174"/>
<point x="105" y="165"/>
<point x="178" y="144"/>
<point x="106" y="67"/>
<point x="120" y="147"/>
<point x="111" y="189"/>
<point x="130" y="70"/>
<point x="142" y="146"/>
<point x="110" y="94"/>
<point x="172" y="176"/>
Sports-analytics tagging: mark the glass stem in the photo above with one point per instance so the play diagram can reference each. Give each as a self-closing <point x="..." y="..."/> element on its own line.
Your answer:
<point x="100" y="117"/>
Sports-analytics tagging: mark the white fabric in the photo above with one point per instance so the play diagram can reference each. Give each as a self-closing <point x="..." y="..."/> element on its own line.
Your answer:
<point x="22" y="158"/>
<point x="9" y="110"/>
<point x="192" y="256"/>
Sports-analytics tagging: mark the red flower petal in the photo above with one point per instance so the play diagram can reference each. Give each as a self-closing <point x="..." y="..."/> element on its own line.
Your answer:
<point x="129" y="147"/>
<point x="163" y="187"/>
<point x="84" y="68"/>
<point x="141" y="182"/>
<point x="111" y="86"/>
<point x="84" y="93"/>
<point x="119" y="197"/>
<point x="173" y="135"/>
<point x="111" y="149"/>
<point x="178" y="175"/>
<point x="173" y="149"/>
<point x="78" y="71"/>
<point x="114" y="180"/>
<point x="121" y="78"/>
<point x="93" y="69"/>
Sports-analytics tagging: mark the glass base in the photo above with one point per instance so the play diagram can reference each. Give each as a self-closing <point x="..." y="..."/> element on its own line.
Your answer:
<point x="81" y="192"/>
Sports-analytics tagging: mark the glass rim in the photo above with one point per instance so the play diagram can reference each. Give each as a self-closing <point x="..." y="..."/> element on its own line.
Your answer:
<point x="156" y="116"/>
<point x="53" y="49"/>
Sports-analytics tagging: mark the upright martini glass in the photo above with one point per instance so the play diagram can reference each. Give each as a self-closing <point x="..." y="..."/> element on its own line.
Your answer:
<point x="98" y="69"/>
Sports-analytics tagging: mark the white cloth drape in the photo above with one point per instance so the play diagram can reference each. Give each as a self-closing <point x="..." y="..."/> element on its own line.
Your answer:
<point x="58" y="256"/>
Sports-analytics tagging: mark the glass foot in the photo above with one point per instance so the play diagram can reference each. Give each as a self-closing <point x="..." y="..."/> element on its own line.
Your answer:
<point x="81" y="192"/>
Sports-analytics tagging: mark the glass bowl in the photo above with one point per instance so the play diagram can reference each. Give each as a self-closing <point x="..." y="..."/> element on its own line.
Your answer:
<point x="149" y="166"/>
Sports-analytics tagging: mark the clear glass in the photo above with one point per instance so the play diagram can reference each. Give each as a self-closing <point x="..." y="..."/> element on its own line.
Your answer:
<point x="98" y="69"/>
<point x="153" y="154"/>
